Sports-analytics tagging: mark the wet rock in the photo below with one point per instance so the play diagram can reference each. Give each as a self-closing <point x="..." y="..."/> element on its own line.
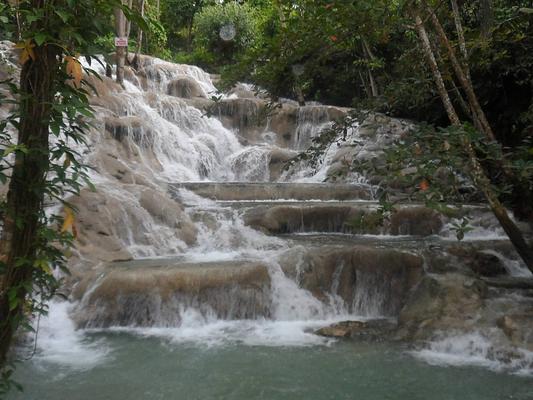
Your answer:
<point x="243" y="91"/>
<point x="487" y="264"/>
<point x="284" y="122"/>
<point x="341" y="329"/>
<point x="157" y="293"/>
<point x="289" y="219"/>
<point x="241" y="113"/>
<point x="357" y="219"/>
<point x="278" y="160"/>
<point x="518" y="328"/>
<point x="442" y="303"/>
<point x="373" y="330"/>
<point x="516" y="283"/>
<point x="185" y="87"/>
<point x="132" y="127"/>
<point x="370" y="281"/>
<point x="416" y="221"/>
<point x="276" y="191"/>
<point x="107" y="221"/>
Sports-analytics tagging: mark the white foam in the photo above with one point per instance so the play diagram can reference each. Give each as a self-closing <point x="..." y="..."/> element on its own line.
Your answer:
<point x="59" y="343"/>
<point x="210" y="332"/>
<point x="477" y="349"/>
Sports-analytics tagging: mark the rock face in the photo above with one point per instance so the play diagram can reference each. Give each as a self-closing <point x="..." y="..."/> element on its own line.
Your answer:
<point x="518" y="327"/>
<point x="486" y="264"/>
<point x="247" y="191"/>
<point x="185" y="87"/>
<point x="105" y="220"/>
<point x="369" y="281"/>
<point x="417" y="221"/>
<point x="133" y="294"/>
<point x="441" y="302"/>
<point x="359" y="219"/>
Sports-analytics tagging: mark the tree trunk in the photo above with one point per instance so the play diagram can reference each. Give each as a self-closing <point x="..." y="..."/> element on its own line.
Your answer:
<point x="486" y="17"/>
<point x="128" y="31"/>
<point x="26" y="188"/>
<point x="120" y="52"/>
<point x="17" y="18"/>
<point x="365" y="85"/>
<point x="465" y="82"/>
<point x="515" y="235"/>
<point x="300" y="95"/>
<point x="437" y="76"/>
<point x="189" y="34"/>
<point x="135" y="62"/>
<point x="373" y="86"/>
<point x="460" y="36"/>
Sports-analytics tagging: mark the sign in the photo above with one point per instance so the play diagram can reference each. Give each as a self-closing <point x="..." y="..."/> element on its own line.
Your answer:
<point x="121" y="41"/>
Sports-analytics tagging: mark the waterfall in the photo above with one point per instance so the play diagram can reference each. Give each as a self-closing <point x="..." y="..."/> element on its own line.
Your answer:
<point x="199" y="231"/>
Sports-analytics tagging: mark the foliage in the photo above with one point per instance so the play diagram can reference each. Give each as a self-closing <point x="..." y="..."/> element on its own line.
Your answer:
<point x="225" y="31"/>
<point x="177" y="16"/>
<point x="156" y="42"/>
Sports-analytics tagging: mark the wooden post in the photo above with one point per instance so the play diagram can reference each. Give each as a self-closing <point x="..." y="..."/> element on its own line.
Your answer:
<point x="120" y="51"/>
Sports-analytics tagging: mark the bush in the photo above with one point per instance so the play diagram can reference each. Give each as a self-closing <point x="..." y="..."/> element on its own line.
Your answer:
<point x="225" y="31"/>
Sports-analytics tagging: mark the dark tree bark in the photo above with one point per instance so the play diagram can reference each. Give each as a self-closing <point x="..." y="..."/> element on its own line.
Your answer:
<point x="462" y="76"/>
<point x="486" y="17"/>
<point x="135" y="62"/>
<point x="26" y="188"/>
<point x="437" y="76"/>
<point x="371" y="57"/>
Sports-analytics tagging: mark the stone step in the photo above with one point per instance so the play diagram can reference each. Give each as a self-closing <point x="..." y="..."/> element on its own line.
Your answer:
<point x="343" y="218"/>
<point x="333" y="216"/>
<point x="236" y="191"/>
<point x="160" y="292"/>
<point x="156" y="292"/>
<point x="521" y="283"/>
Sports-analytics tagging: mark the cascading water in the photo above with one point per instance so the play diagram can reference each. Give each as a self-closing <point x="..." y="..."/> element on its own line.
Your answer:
<point x="157" y="260"/>
<point x="148" y="138"/>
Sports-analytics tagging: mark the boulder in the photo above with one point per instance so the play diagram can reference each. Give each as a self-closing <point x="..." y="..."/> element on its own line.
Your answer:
<point x="132" y="127"/>
<point x="373" y="330"/>
<point x="487" y="264"/>
<point x="444" y="302"/>
<point x="518" y="327"/>
<point x="185" y="87"/>
<point x="341" y="329"/>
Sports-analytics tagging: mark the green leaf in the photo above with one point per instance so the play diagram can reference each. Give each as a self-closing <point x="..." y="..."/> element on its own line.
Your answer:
<point x="63" y="15"/>
<point x="40" y="38"/>
<point x="13" y="298"/>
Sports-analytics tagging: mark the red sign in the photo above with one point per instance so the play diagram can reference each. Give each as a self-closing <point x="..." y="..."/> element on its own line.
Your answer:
<point x="121" y="41"/>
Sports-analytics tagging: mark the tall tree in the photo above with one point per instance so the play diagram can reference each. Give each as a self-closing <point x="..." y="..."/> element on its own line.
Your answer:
<point x="52" y="99"/>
